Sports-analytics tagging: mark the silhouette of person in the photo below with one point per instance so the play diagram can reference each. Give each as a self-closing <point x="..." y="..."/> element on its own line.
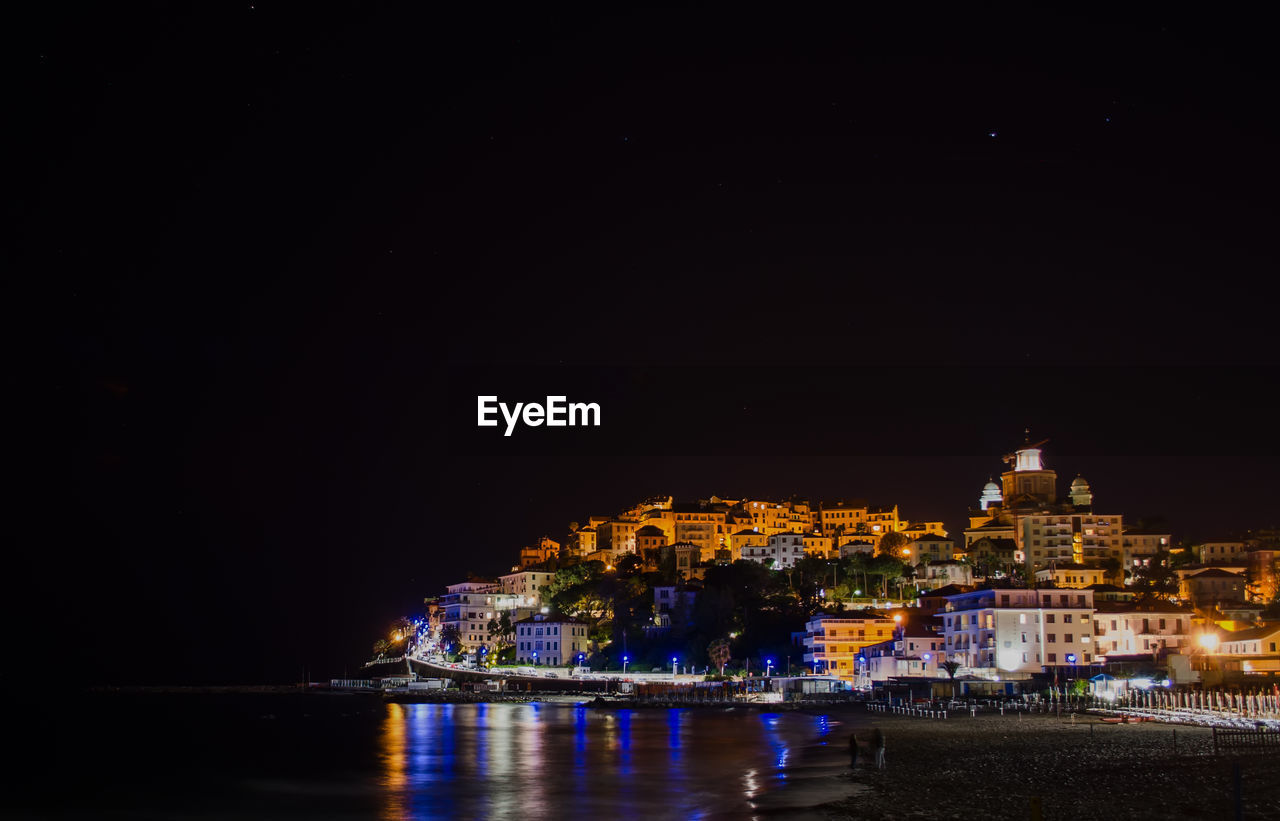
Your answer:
<point x="853" y="750"/>
<point x="877" y="745"/>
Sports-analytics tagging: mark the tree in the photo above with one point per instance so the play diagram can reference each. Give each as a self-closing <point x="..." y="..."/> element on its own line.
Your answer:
<point x="401" y="630"/>
<point x="952" y="667"/>
<point x="629" y="565"/>
<point x="718" y="652"/>
<point x="1157" y="579"/>
<point x="450" y="636"/>
<point x="380" y="647"/>
<point x="501" y="629"/>
<point x="574" y="576"/>
<point x="892" y="544"/>
<point x="1114" y="569"/>
<point x="886" y="567"/>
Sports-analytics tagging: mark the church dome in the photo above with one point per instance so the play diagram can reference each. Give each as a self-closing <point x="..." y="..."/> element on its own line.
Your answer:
<point x="1080" y="494"/>
<point x="991" y="495"/>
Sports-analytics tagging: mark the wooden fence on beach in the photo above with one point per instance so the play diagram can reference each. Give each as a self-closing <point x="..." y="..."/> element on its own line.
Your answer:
<point x="1250" y="741"/>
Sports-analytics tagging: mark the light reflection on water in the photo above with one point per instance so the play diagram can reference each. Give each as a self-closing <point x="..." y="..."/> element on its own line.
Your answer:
<point x="547" y="760"/>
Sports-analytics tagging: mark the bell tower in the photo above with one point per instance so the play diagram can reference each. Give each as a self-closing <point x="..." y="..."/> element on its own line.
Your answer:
<point x="1028" y="482"/>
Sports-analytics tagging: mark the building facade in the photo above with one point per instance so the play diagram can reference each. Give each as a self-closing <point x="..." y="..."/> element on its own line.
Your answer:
<point x="552" y="640"/>
<point x="1019" y="631"/>
<point x="832" y="643"/>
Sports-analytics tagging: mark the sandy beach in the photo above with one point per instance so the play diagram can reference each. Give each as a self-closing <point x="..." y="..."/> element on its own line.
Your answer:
<point x="997" y="766"/>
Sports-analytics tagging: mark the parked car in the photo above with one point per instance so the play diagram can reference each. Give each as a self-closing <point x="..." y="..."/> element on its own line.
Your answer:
<point x="550" y="674"/>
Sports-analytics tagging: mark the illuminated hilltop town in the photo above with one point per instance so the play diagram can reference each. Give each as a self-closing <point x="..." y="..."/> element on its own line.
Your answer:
<point x="1039" y="586"/>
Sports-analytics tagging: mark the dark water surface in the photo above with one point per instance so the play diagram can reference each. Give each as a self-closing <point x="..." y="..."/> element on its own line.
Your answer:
<point x="311" y="756"/>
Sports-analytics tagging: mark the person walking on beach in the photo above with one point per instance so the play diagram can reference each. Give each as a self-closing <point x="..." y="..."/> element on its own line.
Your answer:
<point x="877" y="746"/>
<point x="853" y="750"/>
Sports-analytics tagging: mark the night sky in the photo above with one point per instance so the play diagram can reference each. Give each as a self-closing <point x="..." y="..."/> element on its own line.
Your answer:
<point x="275" y="254"/>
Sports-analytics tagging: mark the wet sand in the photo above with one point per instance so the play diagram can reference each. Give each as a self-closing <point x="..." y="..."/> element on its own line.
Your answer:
<point x="997" y="766"/>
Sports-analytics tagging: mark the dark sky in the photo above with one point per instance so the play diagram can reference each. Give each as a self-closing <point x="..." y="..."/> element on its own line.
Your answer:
<point x="275" y="254"/>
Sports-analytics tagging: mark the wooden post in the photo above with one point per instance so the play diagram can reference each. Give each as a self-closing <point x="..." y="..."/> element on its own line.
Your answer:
<point x="1235" y="782"/>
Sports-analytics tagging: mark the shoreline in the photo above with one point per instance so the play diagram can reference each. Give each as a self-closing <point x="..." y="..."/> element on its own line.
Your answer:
<point x="996" y="766"/>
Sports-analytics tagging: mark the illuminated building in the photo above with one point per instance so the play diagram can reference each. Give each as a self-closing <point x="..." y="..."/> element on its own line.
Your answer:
<point x="1221" y="551"/>
<point x="882" y="520"/>
<point x="1138" y="546"/>
<point x="1044" y="528"/>
<point x="1070" y="575"/>
<point x="525" y="586"/>
<point x="801" y="517"/>
<point x="550" y="639"/>
<point x="649" y="542"/>
<point x="915" y="650"/>
<point x="545" y="550"/>
<point x="924" y="531"/>
<point x="785" y="549"/>
<point x="856" y="546"/>
<point x="1135" y="628"/>
<point x="832" y="643"/>
<point x="1256" y="641"/>
<point x="770" y="517"/>
<point x="815" y="545"/>
<point x="688" y="556"/>
<point x="1264" y="574"/>
<point x="742" y="539"/>
<point x="934" y="575"/>
<point x="840" y="518"/>
<point x="581" y="541"/>
<point x="617" y="537"/>
<point x="1211" y="587"/>
<point x="1019" y="631"/>
<point x="469" y="607"/>
<point x="994" y="556"/>
<point x="701" y="524"/>
<point x="722" y="527"/>
<point x="932" y="547"/>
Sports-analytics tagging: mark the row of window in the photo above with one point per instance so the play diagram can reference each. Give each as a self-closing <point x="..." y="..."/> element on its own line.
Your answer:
<point x="551" y="630"/>
<point x="538" y="645"/>
<point x="1146" y="625"/>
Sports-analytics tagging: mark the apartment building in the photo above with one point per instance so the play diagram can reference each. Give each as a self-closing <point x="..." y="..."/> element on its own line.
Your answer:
<point x="1019" y="631"/>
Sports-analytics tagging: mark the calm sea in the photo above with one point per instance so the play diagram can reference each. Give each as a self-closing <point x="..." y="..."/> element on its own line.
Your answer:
<point x="326" y="757"/>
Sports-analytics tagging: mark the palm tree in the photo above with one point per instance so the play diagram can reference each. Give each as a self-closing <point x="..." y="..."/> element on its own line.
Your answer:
<point x="380" y="647"/>
<point x="952" y="667"/>
<point x="450" y="636"/>
<point x="401" y="630"/>
<point x="718" y="652"/>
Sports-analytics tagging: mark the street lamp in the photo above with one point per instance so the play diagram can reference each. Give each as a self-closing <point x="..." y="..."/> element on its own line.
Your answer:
<point x="535" y="658"/>
<point x="625" y="659"/>
<point x="581" y="656"/>
<point x="673" y="667"/>
<point x="768" y="667"/>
